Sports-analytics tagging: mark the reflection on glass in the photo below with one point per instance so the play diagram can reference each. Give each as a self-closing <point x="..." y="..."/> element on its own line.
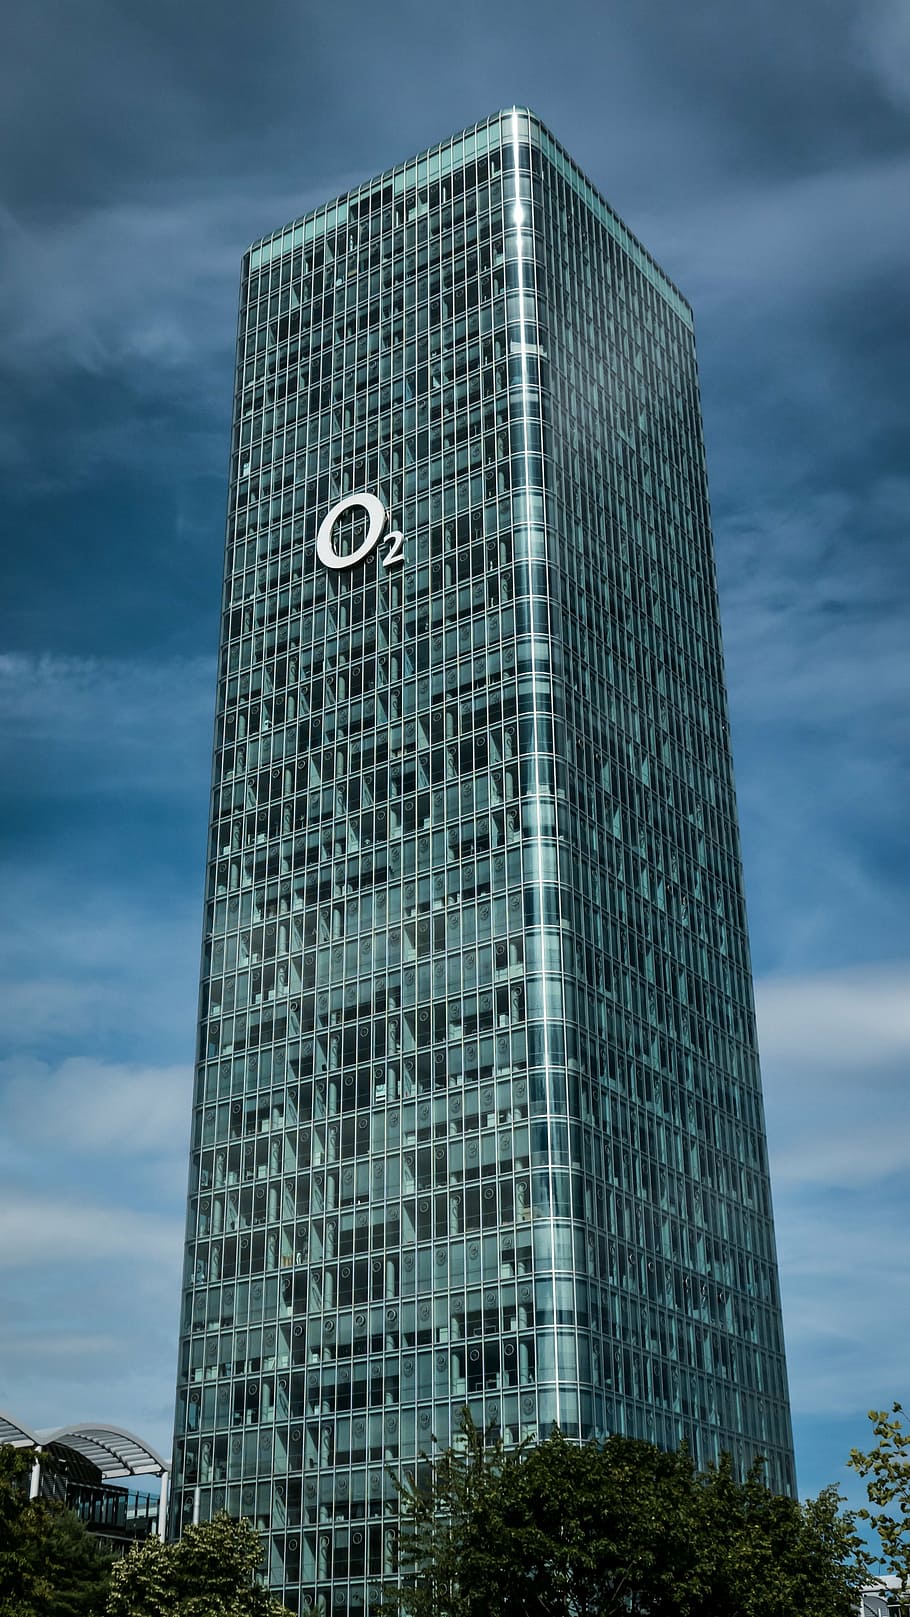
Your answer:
<point x="479" y="1110"/>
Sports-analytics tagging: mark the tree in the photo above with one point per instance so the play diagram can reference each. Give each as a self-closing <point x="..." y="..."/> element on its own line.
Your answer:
<point x="210" y="1572"/>
<point x="50" y="1566"/>
<point x="22" y="1586"/>
<point x="77" y="1567"/>
<point x="619" y="1529"/>
<point x="887" y="1468"/>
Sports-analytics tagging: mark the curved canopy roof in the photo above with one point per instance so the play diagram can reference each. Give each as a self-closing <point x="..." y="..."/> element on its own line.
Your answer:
<point x="115" y="1452"/>
<point x="19" y="1437"/>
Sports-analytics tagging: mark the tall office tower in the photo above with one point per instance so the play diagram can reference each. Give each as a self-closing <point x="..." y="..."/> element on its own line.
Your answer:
<point x="479" y="1115"/>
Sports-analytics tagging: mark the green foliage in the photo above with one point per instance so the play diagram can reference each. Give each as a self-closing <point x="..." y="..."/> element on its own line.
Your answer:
<point x="23" y="1589"/>
<point x="210" y="1572"/>
<point x="76" y="1566"/>
<point x="887" y="1470"/>
<point x="620" y="1529"/>
<point x="50" y="1566"/>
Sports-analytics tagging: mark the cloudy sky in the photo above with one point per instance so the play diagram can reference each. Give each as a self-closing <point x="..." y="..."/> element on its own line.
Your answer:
<point x="761" y="150"/>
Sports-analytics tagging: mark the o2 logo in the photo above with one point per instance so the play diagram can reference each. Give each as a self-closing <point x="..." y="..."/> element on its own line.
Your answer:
<point x="376" y="532"/>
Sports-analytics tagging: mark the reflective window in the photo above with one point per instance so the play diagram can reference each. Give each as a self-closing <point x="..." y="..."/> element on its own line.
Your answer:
<point x="479" y="1115"/>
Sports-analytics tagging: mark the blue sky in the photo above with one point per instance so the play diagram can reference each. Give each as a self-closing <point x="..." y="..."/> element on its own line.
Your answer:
<point x="762" y="153"/>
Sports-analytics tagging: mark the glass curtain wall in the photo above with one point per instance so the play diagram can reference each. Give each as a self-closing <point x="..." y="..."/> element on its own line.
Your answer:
<point x="478" y="1117"/>
<point x="667" y="1173"/>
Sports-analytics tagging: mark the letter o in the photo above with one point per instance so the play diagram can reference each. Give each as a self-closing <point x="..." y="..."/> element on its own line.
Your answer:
<point x="378" y="516"/>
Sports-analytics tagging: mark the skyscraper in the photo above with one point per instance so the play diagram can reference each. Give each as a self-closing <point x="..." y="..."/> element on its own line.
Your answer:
<point x="479" y="1113"/>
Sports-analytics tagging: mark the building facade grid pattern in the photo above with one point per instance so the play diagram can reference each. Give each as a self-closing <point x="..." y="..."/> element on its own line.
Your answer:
<point x="478" y="1114"/>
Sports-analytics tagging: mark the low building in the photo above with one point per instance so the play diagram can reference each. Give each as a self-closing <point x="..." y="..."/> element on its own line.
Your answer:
<point x="89" y="1469"/>
<point x="882" y="1598"/>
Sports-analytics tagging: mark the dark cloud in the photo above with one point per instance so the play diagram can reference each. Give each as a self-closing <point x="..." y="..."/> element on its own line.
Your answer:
<point x="119" y="96"/>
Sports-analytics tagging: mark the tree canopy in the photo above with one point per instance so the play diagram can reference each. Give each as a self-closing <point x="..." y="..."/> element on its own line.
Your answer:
<point x="209" y="1572"/>
<point x="886" y="1468"/>
<point x="50" y="1566"/>
<point x="567" y="1530"/>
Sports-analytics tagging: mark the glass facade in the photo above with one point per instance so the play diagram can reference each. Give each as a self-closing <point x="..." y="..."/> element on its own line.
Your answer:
<point x="479" y="1113"/>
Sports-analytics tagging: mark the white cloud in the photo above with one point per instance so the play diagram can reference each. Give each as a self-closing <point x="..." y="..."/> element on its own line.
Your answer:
<point x="810" y="624"/>
<point x="89" y="724"/>
<point x="843" y="1265"/>
<point x="835" y="1057"/>
<point x="852" y="1019"/>
<point x="148" y="284"/>
<point x="36" y="1230"/>
<point x="92" y="971"/>
<point x="88" y="1342"/>
<point x="95" y="945"/>
<point x="101" y="288"/>
<point x="100" y="1346"/>
<point x="813" y="600"/>
<point x="92" y="1108"/>
<point x="806" y="236"/>
<point x="882" y="31"/>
